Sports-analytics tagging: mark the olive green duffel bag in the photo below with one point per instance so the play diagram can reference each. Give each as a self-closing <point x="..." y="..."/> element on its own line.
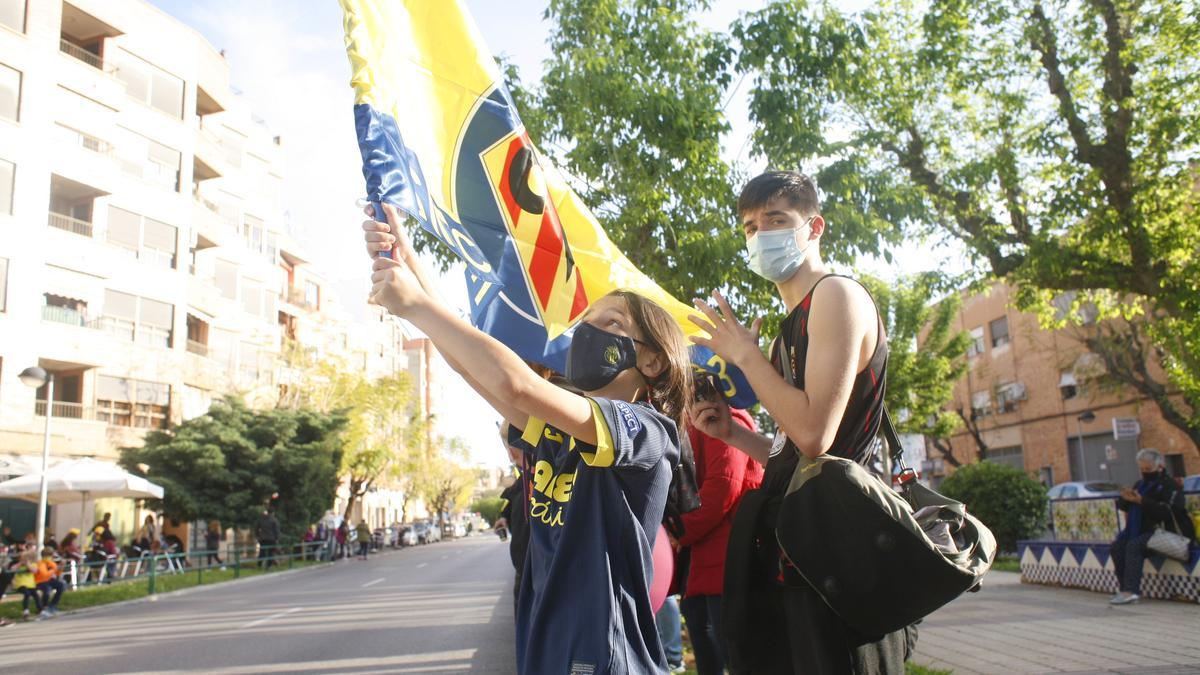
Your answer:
<point x="881" y="558"/>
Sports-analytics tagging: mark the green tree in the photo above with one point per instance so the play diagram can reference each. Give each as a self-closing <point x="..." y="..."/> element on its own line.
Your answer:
<point x="926" y="356"/>
<point x="228" y="463"/>
<point x="384" y="433"/>
<point x="445" y="483"/>
<point x="1010" y="503"/>
<point x="1056" y="141"/>
<point x="488" y="508"/>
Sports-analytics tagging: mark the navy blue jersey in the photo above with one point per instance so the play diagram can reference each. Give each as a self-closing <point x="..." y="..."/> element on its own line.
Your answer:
<point x="593" y="515"/>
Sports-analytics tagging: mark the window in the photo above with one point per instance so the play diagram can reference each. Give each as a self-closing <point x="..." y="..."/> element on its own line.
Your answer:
<point x="142" y="320"/>
<point x="1011" y="456"/>
<point x="251" y="297"/>
<point x="150" y="84"/>
<point x="132" y="403"/>
<point x="1068" y="385"/>
<point x="999" y="331"/>
<point x="221" y="344"/>
<point x="249" y="367"/>
<point x="10" y="92"/>
<point x="150" y="160"/>
<point x="975" y="348"/>
<point x="312" y="295"/>
<point x="12" y="14"/>
<point x="144" y="238"/>
<point x="1007" y="396"/>
<point x="226" y="279"/>
<point x="3" y="284"/>
<point x="8" y="171"/>
<point x="981" y="404"/>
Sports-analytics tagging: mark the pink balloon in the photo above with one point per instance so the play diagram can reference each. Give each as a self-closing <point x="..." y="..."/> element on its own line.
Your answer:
<point x="664" y="569"/>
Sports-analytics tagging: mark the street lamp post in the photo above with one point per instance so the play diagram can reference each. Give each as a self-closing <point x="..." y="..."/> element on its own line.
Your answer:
<point x="36" y="377"/>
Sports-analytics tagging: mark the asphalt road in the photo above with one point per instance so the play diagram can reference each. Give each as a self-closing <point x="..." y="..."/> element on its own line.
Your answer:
<point x="441" y="608"/>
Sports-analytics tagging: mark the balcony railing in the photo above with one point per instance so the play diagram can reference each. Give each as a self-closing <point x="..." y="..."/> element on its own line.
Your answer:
<point x="65" y="409"/>
<point x="296" y="297"/>
<point x="221" y="213"/>
<point x="69" y="224"/>
<point x="79" y="53"/>
<point x="71" y="317"/>
<point x="197" y="347"/>
<point x="125" y="329"/>
<point x="85" y="141"/>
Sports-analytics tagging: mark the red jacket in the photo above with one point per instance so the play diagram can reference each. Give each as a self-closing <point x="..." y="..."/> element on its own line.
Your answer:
<point x="724" y="474"/>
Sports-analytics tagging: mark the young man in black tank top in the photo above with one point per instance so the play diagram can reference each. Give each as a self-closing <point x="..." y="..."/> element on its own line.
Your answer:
<point x="823" y="386"/>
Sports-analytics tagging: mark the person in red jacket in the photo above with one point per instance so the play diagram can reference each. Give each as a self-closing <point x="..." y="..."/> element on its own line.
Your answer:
<point x="723" y="474"/>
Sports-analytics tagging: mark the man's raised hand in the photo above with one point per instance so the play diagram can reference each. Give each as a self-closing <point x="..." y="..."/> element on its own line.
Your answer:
<point x="728" y="338"/>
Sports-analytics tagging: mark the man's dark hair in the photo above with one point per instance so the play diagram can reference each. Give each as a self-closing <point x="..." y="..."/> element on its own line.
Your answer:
<point x="797" y="188"/>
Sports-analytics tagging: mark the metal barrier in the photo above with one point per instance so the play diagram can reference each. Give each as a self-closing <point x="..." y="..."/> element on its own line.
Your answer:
<point x="149" y="567"/>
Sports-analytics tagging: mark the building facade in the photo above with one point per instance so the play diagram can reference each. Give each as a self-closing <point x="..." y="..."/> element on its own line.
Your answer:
<point x="1037" y="404"/>
<point x="145" y="261"/>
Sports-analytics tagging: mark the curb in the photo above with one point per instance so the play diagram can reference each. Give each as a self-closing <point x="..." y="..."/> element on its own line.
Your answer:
<point x="198" y="589"/>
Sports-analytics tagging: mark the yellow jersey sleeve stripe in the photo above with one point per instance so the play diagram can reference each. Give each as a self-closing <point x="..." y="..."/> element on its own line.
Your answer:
<point x="604" y="454"/>
<point x="534" y="429"/>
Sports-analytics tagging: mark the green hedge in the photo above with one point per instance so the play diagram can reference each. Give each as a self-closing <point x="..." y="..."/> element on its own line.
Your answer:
<point x="1009" y="502"/>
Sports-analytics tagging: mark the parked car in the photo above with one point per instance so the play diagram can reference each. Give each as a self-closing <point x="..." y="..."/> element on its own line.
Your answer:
<point x="432" y="532"/>
<point x="1084" y="489"/>
<point x="408" y="536"/>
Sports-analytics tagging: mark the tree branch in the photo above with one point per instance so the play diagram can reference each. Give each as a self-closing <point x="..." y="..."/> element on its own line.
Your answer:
<point x="1045" y="42"/>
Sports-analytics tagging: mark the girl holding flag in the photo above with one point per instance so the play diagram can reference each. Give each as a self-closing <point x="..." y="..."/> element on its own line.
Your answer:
<point x="601" y="461"/>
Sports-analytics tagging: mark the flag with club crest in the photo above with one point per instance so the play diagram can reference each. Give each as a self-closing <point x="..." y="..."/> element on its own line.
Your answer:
<point x="442" y="141"/>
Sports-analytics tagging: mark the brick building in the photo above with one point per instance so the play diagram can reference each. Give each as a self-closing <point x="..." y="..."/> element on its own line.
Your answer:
<point x="1038" y="406"/>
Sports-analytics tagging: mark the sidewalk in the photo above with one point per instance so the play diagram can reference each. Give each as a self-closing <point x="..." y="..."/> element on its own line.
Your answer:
<point x="1010" y="627"/>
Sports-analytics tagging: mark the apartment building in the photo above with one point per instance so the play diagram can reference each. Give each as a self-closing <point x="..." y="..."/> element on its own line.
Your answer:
<point x="145" y="261"/>
<point x="1034" y="396"/>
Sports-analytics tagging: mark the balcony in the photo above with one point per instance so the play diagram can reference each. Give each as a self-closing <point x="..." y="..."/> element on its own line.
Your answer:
<point x="77" y="138"/>
<point x="80" y="54"/>
<point x="66" y="315"/>
<point x="197" y="348"/>
<point x="69" y="224"/>
<point x="296" y="297"/>
<point x="65" y="410"/>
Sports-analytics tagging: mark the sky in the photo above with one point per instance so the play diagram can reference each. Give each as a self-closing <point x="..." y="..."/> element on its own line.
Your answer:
<point x="288" y="59"/>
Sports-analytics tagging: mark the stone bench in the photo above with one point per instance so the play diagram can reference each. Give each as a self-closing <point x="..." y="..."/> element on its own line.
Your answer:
<point x="1088" y="565"/>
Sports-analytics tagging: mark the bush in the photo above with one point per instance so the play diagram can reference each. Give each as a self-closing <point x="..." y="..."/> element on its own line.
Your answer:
<point x="1010" y="503"/>
<point x="488" y="508"/>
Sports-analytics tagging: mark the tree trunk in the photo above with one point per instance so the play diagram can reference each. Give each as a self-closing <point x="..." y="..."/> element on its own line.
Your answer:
<point x="973" y="428"/>
<point x="357" y="489"/>
<point x="945" y="451"/>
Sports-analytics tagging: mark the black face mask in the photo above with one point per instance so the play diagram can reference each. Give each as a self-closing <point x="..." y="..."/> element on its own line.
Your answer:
<point x="596" y="357"/>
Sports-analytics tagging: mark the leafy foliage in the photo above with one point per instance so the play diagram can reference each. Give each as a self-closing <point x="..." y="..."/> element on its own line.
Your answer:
<point x="1010" y="503"/>
<point x="1057" y="141"/>
<point x="921" y="381"/>
<point x="228" y="463"/>
<point x="488" y="508"/>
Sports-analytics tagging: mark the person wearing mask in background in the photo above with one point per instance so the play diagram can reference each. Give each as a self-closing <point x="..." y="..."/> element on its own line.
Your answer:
<point x="724" y="475"/>
<point x="823" y="386"/>
<point x="1154" y="501"/>
<point x="267" y="534"/>
<point x="364" y="538"/>
<point x="47" y="579"/>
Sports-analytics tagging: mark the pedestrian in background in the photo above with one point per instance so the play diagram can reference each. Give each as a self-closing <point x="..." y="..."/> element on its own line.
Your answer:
<point x="24" y="580"/>
<point x="724" y="475"/>
<point x="267" y="533"/>
<point x="364" y="538"/>
<point x="212" y="542"/>
<point x="1154" y="501"/>
<point x="47" y="579"/>
<point x="343" y="539"/>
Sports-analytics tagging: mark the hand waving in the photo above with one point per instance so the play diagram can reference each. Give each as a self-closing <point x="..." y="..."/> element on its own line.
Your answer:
<point x="730" y="339"/>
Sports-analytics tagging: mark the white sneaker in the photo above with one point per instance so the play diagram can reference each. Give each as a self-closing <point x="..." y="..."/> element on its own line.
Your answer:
<point x="1124" y="599"/>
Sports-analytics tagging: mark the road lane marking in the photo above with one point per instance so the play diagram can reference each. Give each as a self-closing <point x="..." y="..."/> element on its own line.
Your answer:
<point x="372" y="583"/>
<point x="276" y="615"/>
<point x="422" y="565"/>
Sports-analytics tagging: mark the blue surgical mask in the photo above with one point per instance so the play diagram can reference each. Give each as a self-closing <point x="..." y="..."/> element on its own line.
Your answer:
<point x="775" y="255"/>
